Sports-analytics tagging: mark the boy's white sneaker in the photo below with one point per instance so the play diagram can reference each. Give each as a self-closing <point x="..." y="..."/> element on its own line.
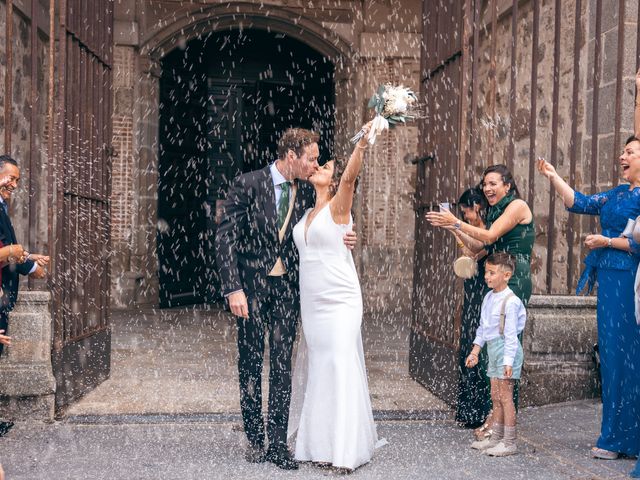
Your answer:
<point x="484" y="444"/>
<point x="502" y="450"/>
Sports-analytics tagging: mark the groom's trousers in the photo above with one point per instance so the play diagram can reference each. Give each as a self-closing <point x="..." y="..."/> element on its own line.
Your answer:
<point x="273" y="312"/>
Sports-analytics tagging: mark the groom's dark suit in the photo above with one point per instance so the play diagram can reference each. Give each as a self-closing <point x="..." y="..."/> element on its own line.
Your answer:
<point x="247" y="248"/>
<point x="11" y="272"/>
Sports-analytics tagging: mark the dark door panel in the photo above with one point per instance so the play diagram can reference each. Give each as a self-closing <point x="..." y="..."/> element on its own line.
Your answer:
<point x="81" y="277"/>
<point x="437" y="296"/>
<point x="182" y="209"/>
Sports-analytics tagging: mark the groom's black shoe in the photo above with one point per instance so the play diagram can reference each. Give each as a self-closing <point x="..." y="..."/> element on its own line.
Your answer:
<point x="282" y="458"/>
<point x="5" y="427"/>
<point x="255" y="454"/>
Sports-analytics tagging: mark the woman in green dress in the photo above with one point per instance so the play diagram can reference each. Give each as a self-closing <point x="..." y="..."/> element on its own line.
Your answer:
<point x="509" y="228"/>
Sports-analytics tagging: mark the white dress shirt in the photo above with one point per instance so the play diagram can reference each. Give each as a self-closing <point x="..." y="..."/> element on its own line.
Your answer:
<point x="278" y="180"/>
<point x="514" y="322"/>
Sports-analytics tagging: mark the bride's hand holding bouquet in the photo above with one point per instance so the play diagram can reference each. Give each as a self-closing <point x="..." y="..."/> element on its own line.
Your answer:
<point x="393" y="106"/>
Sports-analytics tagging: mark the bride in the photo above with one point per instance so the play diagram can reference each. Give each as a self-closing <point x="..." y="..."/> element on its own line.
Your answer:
<point x="335" y="425"/>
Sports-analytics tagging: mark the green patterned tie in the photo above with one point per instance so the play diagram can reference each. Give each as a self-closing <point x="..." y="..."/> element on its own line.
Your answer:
<point x="283" y="204"/>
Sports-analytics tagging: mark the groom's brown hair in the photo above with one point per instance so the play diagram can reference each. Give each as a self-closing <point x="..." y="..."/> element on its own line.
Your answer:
<point x="296" y="139"/>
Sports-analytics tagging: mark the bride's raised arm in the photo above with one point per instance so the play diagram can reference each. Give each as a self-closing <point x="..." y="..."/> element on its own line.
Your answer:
<point x="343" y="200"/>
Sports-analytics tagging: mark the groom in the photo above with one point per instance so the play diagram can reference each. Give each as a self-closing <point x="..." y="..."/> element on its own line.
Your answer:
<point x="258" y="265"/>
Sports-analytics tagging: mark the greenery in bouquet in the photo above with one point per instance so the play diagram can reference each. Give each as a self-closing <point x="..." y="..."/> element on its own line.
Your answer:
<point x="393" y="106"/>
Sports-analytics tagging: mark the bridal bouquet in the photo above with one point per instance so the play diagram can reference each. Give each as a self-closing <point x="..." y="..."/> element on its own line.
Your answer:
<point x="392" y="105"/>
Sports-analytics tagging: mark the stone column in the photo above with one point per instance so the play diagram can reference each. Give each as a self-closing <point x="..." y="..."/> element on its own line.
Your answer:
<point x="27" y="385"/>
<point x="144" y="258"/>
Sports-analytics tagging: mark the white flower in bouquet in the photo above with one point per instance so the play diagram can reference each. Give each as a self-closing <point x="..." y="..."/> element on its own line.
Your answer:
<point x="392" y="105"/>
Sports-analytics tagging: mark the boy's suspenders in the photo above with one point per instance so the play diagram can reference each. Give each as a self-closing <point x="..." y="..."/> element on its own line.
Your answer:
<point x="503" y="312"/>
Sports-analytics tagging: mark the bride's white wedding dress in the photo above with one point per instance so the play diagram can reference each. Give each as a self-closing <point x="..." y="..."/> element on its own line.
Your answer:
<point x="335" y="424"/>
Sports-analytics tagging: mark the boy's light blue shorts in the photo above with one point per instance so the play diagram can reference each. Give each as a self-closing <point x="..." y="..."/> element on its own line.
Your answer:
<point x="495" y="368"/>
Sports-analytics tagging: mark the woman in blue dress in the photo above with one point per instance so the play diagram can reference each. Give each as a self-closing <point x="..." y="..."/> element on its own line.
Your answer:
<point x="613" y="262"/>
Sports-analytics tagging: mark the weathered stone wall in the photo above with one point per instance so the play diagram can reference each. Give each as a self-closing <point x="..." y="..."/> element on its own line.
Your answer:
<point x="498" y="126"/>
<point x="21" y="126"/>
<point x="386" y="215"/>
<point x="561" y="331"/>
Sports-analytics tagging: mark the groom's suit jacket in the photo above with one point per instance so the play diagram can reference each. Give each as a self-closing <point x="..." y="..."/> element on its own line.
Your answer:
<point x="247" y="244"/>
<point x="11" y="272"/>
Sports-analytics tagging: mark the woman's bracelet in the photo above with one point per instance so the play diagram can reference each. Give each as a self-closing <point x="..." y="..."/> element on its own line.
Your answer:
<point x="460" y="245"/>
<point x="473" y="355"/>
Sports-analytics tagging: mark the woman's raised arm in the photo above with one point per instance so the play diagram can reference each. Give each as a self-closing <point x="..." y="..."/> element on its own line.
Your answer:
<point x="516" y="212"/>
<point x="564" y="190"/>
<point x="343" y="200"/>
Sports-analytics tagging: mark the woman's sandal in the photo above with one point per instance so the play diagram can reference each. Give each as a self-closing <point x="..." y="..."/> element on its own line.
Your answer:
<point x="482" y="432"/>
<point x="603" y="454"/>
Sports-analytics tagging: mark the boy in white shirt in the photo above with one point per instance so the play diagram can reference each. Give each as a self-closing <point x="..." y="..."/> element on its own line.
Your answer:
<point x="502" y="318"/>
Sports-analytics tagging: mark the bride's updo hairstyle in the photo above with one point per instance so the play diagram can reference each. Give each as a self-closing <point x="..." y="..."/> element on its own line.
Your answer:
<point x="507" y="178"/>
<point x="296" y="139"/>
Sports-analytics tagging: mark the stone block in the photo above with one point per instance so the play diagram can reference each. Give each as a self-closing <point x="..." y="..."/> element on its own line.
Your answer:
<point x="126" y="289"/>
<point x="126" y="33"/>
<point x="543" y="383"/>
<point x="607" y="159"/>
<point x="558" y="350"/>
<point x="546" y="335"/>
<point x="610" y="56"/>
<point x="609" y="18"/>
<point x="27" y="384"/>
<point x="606" y="110"/>
<point x="391" y="44"/>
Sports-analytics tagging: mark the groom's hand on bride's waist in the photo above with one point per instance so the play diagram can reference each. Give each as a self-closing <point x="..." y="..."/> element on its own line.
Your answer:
<point x="238" y="304"/>
<point x="350" y="238"/>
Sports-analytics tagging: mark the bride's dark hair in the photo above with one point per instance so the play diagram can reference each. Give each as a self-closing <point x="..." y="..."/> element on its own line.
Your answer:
<point x="339" y="165"/>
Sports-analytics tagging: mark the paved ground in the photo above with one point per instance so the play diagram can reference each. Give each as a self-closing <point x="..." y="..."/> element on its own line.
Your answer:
<point x="169" y="411"/>
<point x="184" y="361"/>
<point x="554" y="442"/>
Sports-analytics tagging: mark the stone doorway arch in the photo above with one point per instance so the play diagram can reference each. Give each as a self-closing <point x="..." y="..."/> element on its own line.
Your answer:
<point x="142" y="277"/>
